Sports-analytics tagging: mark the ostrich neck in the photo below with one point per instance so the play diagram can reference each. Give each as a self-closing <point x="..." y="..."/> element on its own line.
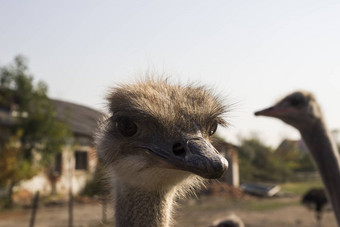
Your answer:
<point x="327" y="159"/>
<point x="138" y="207"/>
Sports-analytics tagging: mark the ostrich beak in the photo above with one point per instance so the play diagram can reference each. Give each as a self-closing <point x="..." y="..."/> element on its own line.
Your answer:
<point x="195" y="155"/>
<point x="202" y="159"/>
<point x="266" y="112"/>
<point x="274" y="111"/>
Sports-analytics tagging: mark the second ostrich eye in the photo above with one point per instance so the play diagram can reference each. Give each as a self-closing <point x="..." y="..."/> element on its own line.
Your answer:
<point x="296" y="101"/>
<point x="213" y="129"/>
<point x="126" y="126"/>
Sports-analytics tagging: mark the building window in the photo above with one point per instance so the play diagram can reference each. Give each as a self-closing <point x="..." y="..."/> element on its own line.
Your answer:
<point x="81" y="160"/>
<point x="58" y="163"/>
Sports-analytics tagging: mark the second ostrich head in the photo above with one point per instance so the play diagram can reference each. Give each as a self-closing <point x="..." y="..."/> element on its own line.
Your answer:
<point x="301" y="111"/>
<point x="158" y="134"/>
<point x="298" y="109"/>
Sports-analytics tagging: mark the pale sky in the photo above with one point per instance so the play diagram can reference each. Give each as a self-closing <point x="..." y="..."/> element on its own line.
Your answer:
<point x="252" y="52"/>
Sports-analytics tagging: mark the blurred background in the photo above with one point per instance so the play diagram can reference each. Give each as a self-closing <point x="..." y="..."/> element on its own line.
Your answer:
<point x="58" y="60"/>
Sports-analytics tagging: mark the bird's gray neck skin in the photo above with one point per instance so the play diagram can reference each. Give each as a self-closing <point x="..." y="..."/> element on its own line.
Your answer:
<point x="327" y="158"/>
<point x="137" y="207"/>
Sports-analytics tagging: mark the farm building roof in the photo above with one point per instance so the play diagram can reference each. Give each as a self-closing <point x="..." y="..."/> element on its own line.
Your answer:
<point x="82" y="120"/>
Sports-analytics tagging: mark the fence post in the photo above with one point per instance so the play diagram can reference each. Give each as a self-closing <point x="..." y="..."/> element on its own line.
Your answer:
<point x="70" y="190"/>
<point x="34" y="208"/>
<point x="104" y="204"/>
<point x="70" y="208"/>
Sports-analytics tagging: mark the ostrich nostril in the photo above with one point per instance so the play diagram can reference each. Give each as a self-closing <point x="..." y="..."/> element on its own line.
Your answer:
<point x="178" y="150"/>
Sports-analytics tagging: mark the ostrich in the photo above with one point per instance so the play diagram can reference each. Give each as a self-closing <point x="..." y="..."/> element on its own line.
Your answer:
<point x="231" y="221"/>
<point x="155" y="146"/>
<point x="301" y="111"/>
<point x="315" y="199"/>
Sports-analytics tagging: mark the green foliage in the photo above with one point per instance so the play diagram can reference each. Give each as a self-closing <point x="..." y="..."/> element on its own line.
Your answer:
<point x="289" y="154"/>
<point x="268" y="204"/>
<point x="293" y="158"/>
<point x="36" y="135"/>
<point x="258" y="162"/>
<point x="305" y="163"/>
<point x="300" y="188"/>
<point x="12" y="165"/>
<point x="96" y="185"/>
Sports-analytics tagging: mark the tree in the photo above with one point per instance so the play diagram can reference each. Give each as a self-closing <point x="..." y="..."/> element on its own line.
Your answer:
<point x="36" y="135"/>
<point x="13" y="167"/>
<point x="289" y="152"/>
<point x="259" y="163"/>
<point x="305" y="163"/>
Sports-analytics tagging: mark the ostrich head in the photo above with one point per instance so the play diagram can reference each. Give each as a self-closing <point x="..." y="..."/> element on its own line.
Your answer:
<point x="158" y="134"/>
<point x="301" y="111"/>
<point x="298" y="109"/>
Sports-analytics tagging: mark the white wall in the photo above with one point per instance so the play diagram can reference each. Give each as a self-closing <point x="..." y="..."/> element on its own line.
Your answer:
<point x="69" y="176"/>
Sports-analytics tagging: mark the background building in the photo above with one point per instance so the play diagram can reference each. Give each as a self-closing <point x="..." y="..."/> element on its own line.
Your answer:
<point x="77" y="161"/>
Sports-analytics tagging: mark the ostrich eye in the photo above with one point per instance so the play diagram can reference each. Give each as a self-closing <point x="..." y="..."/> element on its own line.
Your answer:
<point x="213" y="129"/>
<point x="126" y="126"/>
<point x="296" y="101"/>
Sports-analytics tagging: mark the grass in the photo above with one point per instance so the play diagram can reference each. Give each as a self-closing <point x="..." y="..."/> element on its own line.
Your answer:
<point x="250" y="204"/>
<point x="269" y="204"/>
<point x="299" y="188"/>
<point x="295" y="188"/>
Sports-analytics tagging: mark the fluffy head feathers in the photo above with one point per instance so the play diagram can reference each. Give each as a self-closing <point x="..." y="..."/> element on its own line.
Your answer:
<point x="169" y="105"/>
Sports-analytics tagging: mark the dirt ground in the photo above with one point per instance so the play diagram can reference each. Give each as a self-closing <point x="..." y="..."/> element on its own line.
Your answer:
<point x="196" y="213"/>
<point x="293" y="214"/>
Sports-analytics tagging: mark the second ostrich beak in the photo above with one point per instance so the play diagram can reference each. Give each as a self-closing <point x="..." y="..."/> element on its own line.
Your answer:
<point x="274" y="111"/>
<point x="194" y="154"/>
